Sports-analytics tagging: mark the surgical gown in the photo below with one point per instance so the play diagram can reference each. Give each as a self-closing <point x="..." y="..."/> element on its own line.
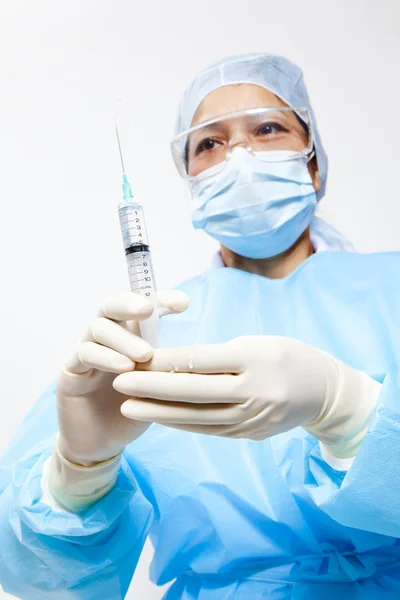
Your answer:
<point x="233" y="519"/>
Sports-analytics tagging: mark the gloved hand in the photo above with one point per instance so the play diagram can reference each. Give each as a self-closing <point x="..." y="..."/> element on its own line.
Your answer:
<point x="253" y="387"/>
<point x="92" y="429"/>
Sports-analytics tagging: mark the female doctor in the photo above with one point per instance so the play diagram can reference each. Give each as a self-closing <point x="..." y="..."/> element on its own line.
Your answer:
<point x="260" y="447"/>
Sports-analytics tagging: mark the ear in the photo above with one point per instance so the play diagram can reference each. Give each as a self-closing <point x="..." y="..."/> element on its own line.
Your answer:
<point x="313" y="170"/>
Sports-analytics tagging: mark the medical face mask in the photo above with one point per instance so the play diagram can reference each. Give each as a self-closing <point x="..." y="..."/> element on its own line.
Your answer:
<point x="258" y="204"/>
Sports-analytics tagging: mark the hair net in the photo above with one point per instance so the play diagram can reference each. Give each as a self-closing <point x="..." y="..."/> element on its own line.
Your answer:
<point x="269" y="71"/>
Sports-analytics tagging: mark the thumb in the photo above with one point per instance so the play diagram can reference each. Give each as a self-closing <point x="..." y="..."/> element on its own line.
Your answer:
<point x="171" y="301"/>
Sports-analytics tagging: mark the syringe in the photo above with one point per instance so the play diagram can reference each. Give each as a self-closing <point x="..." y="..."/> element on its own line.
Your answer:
<point x="137" y="251"/>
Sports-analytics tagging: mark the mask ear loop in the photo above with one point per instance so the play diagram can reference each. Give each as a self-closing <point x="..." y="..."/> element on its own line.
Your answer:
<point x="311" y="156"/>
<point x="311" y="140"/>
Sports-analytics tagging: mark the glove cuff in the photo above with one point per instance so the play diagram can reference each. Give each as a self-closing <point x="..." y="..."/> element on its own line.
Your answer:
<point x="343" y="427"/>
<point x="77" y="487"/>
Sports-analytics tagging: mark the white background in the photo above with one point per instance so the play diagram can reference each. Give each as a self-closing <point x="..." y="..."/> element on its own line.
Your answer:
<point x="61" y="62"/>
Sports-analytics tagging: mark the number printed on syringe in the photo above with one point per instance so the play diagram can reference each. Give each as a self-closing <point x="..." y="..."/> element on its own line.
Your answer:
<point x="140" y="276"/>
<point x="137" y="251"/>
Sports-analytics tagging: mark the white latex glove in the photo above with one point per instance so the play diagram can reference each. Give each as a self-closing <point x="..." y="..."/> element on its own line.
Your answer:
<point x="92" y="430"/>
<point x="253" y="387"/>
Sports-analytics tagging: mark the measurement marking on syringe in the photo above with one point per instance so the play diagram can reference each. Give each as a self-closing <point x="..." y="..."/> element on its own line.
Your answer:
<point x="137" y="251"/>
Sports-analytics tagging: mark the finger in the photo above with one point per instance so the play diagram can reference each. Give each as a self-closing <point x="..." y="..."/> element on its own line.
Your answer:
<point x="115" y="336"/>
<point x="75" y="365"/>
<point x="132" y="326"/>
<point x="167" y="302"/>
<point x="171" y="301"/>
<point x="129" y="306"/>
<point x="235" y="431"/>
<point x="153" y="411"/>
<point x="101" y="358"/>
<point x="217" y="430"/>
<point x="207" y="359"/>
<point x="126" y="306"/>
<point x="180" y="387"/>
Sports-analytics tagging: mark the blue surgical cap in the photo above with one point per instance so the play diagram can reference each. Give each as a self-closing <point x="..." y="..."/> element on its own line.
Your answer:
<point x="275" y="73"/>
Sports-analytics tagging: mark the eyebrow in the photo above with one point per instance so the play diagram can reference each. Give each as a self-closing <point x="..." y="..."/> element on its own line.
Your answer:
<point x="218" y="125"/>
<point x="214" y="126"/>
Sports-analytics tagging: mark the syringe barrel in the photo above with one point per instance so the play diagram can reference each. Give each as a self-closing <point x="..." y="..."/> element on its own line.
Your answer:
<point x="141" y="281"/>
<point x="133" y="225"/>
<point x="140" y="268"/>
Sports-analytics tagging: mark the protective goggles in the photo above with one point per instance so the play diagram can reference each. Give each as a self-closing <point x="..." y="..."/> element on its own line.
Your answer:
<point x="269" y="130"/>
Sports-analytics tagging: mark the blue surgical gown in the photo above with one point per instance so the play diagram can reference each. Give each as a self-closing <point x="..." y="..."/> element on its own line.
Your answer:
<point x="233" y="519"/>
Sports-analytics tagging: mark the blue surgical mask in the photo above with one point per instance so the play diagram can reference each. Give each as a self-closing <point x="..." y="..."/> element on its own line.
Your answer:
<point x="256" y="207"/>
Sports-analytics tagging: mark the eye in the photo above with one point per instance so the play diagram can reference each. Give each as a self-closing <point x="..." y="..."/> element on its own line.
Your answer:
<point x="270" y="128"/>
<point x="206" y="145"/>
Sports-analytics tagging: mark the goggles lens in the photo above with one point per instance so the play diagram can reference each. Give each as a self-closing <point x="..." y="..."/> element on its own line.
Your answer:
<point x="259" y="130"/>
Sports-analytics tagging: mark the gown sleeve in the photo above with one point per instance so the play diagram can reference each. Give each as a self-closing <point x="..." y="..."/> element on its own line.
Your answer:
<point x="47" y="553"/>
<point x="367" y="496"/>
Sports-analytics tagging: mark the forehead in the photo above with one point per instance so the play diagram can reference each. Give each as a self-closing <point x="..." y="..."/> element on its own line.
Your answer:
<point x="231" y="98"/>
